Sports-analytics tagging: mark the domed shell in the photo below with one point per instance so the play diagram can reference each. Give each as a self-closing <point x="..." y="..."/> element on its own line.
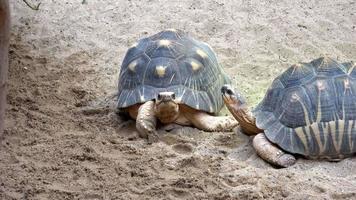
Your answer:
<point x="172" y="61"/>
<point x="310" y="109"/>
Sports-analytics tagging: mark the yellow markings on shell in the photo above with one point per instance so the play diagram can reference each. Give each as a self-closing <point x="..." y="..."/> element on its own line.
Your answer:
<point x="161" y="70"/>
<point x="347" y="84"/>
<point x="132" y="65"/>
<point x="134" y="45"/>
<point x="164" y="43"/>
<point x="295" y="98"/>
<point x="349" y="131"/>
<point x="321" y="86"/>
<point x="211" y="109"/>
<point x="207" y="45"/>
<point x="336" y="130"/>
<point x="201" y="53"/>
<point x="170" y="81"/>
<point x="172" y="30"/>
<point x="195" y="65"/>
<point x="295" y="66"/>
<point x="323" y="63"/>
<point x="304" y="137"/>
<point x="318" y="112"/>
<point x="351" y="68"/>
<point x="317" y="135"/>
<point x="347" y="87"/>
<point x="337" y="142"/>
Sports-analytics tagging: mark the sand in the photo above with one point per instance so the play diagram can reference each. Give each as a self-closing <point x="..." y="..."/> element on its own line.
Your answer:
<point x="68" y="54"/>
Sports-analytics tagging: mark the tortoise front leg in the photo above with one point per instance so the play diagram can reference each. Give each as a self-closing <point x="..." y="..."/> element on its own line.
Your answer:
<point x="207" y="122"/>
<point x="271" y="153"/>
<point x="146" y="122"/>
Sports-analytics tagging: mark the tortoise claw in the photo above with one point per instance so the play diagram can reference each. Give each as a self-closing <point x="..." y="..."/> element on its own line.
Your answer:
<point x="286" y="160"/>
<point x="152" y="138"/>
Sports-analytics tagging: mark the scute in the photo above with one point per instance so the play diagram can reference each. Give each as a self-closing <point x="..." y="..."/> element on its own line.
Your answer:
<point x="165" y="48"/>
<point x="296" y="75"/>
<point x="346" y="101"/>
<point x="161" y="72"/>
<point x="328" y="67"/>
<point x="169" y="34"/>
<point x="310" y="109"/>
<point x="172" y="61"/>
<point x="294" y="108"/>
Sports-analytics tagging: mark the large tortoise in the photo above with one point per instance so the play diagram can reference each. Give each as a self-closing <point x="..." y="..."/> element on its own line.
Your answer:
<point x="174" y="78"/>
<point x="309" y="110"/>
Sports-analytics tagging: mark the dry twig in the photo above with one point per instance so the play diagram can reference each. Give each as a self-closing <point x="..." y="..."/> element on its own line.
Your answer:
<point x="37" y="7"/>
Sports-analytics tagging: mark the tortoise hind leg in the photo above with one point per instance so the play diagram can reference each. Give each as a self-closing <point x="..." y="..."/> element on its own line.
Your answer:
<point x="271" y="153"/>
<point x="146" y="122"/>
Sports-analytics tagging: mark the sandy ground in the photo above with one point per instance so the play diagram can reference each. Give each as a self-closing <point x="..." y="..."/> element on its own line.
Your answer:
<point x="68" y="54"/>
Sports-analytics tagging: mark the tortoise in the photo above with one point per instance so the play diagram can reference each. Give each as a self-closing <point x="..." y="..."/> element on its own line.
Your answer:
<point x="309" y="110"/>
<point x="171" y="78"/>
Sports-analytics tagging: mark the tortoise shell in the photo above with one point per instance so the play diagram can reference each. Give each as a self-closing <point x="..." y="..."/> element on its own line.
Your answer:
<point x="310" y="109"/>
<point x="172" y="61"/>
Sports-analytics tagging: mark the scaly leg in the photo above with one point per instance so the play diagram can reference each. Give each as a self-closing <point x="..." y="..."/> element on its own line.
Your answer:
<point x="146" y="122"/>
<point x="271" y="153"/>
<point x="206" y="122"/>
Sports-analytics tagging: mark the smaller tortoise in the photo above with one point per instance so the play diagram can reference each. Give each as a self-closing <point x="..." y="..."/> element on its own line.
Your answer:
<point x="172" y="78"/>
<point x="309" y="110"/>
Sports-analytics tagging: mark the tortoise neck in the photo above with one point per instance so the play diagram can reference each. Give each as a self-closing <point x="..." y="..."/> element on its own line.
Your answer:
<point x="244" y="116"/>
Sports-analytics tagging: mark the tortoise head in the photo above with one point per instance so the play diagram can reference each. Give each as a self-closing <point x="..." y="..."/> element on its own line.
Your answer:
<point x="232" y="97"/>
<point x="167" y="109"/>
<point x="237" y="105"/>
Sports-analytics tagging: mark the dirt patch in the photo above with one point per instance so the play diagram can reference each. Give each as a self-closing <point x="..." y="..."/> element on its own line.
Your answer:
<point x="68" y="54"/>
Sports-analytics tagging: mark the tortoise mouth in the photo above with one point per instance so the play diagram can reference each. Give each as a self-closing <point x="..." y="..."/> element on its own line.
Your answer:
<point x="231" y="96"/>
<point x="227" y="90"/>
<point x="167" y="110"/>
<point x="228" y="94"/>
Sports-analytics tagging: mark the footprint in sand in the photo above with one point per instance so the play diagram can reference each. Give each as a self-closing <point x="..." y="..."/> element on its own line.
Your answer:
<point x="183" y="148"/>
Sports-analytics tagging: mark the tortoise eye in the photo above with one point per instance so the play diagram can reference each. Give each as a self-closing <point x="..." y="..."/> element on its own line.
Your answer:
<point x="229" y="92"/>
<point x="159" y="97"/>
